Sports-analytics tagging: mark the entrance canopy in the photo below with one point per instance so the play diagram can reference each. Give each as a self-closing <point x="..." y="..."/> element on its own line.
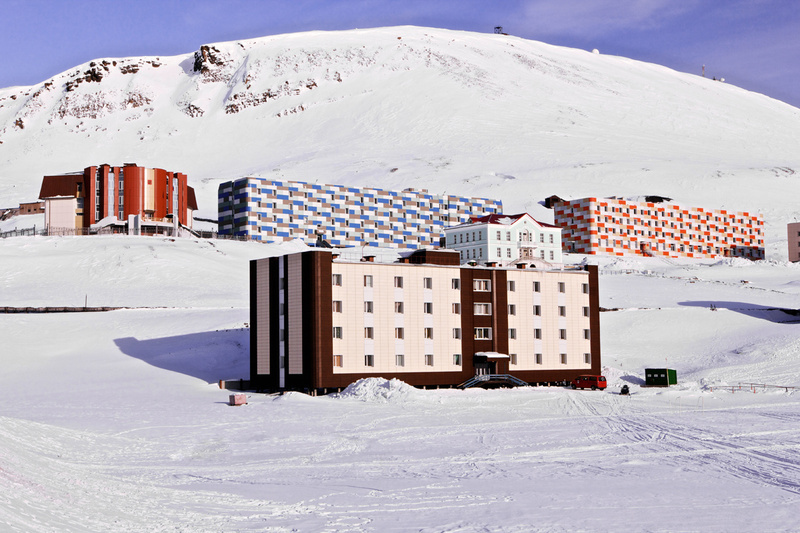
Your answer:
<point x="492" y="355"/>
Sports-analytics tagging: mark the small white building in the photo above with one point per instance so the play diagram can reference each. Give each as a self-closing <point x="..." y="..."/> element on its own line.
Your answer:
<point x="505" y="239"/>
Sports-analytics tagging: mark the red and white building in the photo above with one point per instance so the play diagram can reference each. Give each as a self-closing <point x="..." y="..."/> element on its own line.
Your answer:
<point x="614" y="226"/>
<point x="505" y="239"/>
<point x="320" y="321"/>
<point x="152" y="199"/>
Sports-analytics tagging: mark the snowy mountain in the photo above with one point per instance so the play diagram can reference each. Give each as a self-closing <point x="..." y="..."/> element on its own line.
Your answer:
<point x="478" y="114"/>
<point x="113" y="421"/>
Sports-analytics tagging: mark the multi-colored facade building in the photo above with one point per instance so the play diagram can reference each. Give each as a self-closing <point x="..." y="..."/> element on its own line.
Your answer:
<point x="505" y="239"/>
<point x="80" y="200"/>
<point x="620" y="227"/>
<point x="271" y="210"/>
<point x="319" y="321"/>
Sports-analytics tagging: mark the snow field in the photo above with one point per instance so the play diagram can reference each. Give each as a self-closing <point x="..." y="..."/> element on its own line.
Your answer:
<point x="114" y="421"/>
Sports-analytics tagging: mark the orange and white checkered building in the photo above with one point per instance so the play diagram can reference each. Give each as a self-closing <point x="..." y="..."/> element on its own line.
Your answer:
<point x="613" y="226"/>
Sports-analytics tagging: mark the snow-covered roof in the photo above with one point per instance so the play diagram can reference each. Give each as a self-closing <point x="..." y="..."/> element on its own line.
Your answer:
<point x="503" y="220"/>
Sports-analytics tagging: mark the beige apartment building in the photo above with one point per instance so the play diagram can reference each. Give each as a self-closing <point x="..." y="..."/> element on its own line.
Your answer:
<point x="321" y="322"/>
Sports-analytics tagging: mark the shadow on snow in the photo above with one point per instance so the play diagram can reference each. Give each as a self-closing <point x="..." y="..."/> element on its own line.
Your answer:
<point x="209" y="356"/>
<point x="773" y="314"/>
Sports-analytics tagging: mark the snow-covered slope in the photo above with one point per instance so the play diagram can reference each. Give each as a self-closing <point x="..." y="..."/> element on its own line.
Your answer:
<point x="489" y="115"/>
<point x="114" y="421"/>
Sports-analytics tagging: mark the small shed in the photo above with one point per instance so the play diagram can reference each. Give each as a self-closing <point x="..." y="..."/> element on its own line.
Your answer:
<point x="660" y="377"/>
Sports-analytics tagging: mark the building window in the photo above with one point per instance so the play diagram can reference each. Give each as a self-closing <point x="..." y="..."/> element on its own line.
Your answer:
<point x="399" y="333"/>
<point x="513" y="358"/>
<point x="483" y="333"/>
<point x="552" y="256"/>
<point x="455" y="283"/>
<point x="562" y="311"/>
<point x="585" y="288"/>
<point x="499" y="252"/>
<point x="562" y="334"/>
<point x="587" y="358"/>
<point x="541" y="237"/>
<point x="508" y="252"/>
<point x="498" y="235"/>
<point x="585" y="311"/>
<point x="427" y="283"/>
<point x="537" y="333"/>
<point x="428" y="333"/>
<point x="368" y="281"/>
<point x="368" y="308"/>
<point x="537" y="310"/>
<point x="512" y="309"/>
<point x="369" y="333"/>
<point x="482" y="285"/>
<point x="398" y="282"/>
<point x="398" y="307"/>
<point x="337" y="280"/>
<point x="337" y="332"/>
<point x="427" y="308"/>
<point x="551" y="238"/>
<point x="512" y="286"/>
<point x="587" y="334"/>
<point x="456" y="309"/>
<point x="400" y="360"/>
<point x="537" y="287"/>
<point x="456" y="333"/>
<point x="483" y="309"/>
<point x="562" y="287"/>
<point x="337" y="361"/>
<point x="457" y="359"/>
<point x="508" y="235"/>
<point x="428" y="359"/>
<point x="369" y="360"/>
<point x="512" y="333"/>
<point x="337" y="306"/>
<point x="563" y="359"/>
<point x="538" y="358"/>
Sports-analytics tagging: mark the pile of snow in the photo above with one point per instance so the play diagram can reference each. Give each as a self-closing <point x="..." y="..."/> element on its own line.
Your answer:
<point x="379" y="390"/>
<point x="738" y="262"/>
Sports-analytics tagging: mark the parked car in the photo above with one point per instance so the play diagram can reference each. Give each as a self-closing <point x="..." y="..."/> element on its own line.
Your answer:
<point x="588" y="381"/>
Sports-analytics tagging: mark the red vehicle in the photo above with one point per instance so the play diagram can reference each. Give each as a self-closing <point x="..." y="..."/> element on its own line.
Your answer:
<point x="587" y="381"/>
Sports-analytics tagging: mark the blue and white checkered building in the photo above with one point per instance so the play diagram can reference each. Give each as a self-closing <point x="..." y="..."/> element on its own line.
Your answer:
<point x="271" y="210"/>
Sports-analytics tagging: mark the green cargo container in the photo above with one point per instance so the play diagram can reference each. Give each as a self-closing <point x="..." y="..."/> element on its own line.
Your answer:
<point x="660" y="377"/>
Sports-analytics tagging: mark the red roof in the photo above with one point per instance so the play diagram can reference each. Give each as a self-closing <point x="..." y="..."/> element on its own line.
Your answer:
<point x="191" y="200"/>
<point x="65" y="185"/>
<point x="495" y="218"/>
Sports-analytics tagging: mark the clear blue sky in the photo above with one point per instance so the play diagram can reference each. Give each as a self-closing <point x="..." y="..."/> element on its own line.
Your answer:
<point x="754" y="44"/>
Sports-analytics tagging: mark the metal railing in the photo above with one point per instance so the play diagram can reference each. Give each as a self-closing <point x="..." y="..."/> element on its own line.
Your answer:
<point x="25" y="232"/>
<point x="751" y="387"/>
